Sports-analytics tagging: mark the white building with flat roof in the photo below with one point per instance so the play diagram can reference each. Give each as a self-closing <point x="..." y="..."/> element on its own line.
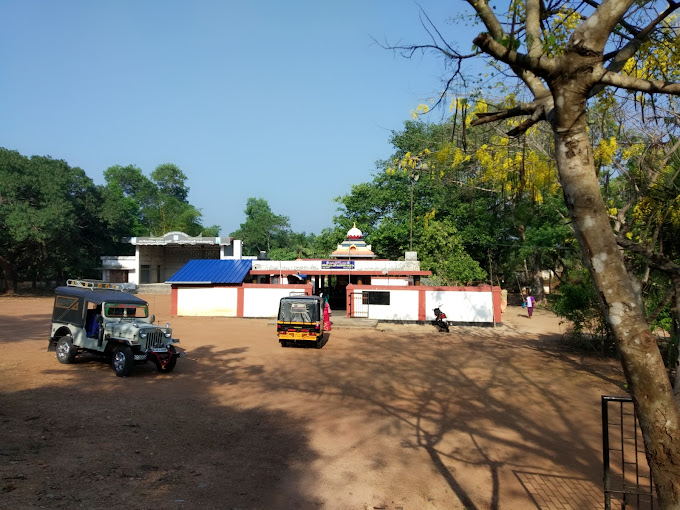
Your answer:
<point x="157" y="258"/>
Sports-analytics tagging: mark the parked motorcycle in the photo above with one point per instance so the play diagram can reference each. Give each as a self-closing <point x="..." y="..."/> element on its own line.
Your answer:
<point x="440" y="319"/>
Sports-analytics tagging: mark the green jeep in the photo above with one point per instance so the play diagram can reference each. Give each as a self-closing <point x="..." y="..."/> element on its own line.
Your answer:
<point x="97" y="318"/>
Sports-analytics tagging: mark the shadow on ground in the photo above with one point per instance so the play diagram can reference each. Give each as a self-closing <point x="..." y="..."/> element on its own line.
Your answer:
<point x="476" y="407"/>
<point x="98" y="441"/>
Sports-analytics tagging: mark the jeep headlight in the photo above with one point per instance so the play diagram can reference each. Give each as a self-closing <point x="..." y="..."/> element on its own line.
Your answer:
<point x="167" y="334"/>
<point x="142" y="334"/>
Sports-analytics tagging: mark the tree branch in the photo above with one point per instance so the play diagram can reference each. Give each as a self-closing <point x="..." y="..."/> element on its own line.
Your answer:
<point x="541" y="66"/>
<point x="533" y="28"/>
<point x="594" y="32"/>
<point x="521" y="109"/>
<point x="641" y="36"/>
<point x="489" y="19"/>
<point x="638" y="84"/>
<point x="664" y="302"/>
<point x="537" y="110"/>
<point x="633" y="30"/>
<point x="486" y="14"/>
<point x="542" y="112"/>
<point x="409" y="50"/>
<point x="654" y="259"/>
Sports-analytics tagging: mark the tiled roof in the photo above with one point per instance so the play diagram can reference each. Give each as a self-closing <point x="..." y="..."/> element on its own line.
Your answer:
<point x="212" y="271"/>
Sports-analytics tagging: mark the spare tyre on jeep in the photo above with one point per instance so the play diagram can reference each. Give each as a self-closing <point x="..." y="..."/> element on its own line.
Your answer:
<point x="97" y="317"/>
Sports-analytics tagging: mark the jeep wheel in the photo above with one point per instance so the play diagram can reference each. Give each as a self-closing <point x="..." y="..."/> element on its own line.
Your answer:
<point x="122" y="361"/>
<point x="66" y="351"/>
<point x="170" y="365"/>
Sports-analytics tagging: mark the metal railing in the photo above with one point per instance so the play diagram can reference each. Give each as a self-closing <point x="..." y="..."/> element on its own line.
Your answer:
<point x="627" y="477"/>
<point x="359" y="304"/>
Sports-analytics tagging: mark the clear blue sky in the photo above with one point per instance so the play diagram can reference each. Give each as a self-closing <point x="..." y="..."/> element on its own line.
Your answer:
<point x="287" y="101"/>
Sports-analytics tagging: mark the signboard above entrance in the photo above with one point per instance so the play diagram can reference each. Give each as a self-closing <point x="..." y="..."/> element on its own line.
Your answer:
<point x="337" y="264"/>
<point x="177" y="238"/>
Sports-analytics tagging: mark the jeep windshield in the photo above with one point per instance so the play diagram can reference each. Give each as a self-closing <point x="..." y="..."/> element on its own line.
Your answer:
<point x="126" y="311"/>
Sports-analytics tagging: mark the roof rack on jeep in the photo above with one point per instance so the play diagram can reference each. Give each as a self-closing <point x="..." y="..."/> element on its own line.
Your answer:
<point x="89" y="284"/>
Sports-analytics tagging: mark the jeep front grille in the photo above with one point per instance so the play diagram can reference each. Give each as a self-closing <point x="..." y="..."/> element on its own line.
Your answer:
<point x="155" y="339"/>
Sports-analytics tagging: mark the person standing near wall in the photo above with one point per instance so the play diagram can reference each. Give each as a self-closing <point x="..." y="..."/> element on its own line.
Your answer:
<point x="326" y="314"/>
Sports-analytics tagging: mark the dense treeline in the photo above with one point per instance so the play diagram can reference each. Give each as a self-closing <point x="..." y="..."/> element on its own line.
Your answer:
<point x="55" y="222"/>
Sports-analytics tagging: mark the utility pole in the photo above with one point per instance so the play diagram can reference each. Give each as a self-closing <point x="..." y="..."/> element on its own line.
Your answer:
<point x="413" y="178"/>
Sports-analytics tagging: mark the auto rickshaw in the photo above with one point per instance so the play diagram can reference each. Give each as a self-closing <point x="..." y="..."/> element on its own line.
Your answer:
<point x="300" y="321"/>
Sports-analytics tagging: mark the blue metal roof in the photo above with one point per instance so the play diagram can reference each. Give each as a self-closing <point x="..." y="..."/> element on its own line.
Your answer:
<point x="212" y="271"/>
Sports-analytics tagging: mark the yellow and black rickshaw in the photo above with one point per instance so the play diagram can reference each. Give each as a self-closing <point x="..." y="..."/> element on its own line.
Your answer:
<point x="300" y="321"/>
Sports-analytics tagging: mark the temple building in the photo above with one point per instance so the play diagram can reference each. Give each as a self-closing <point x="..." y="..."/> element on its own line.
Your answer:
<point x="354" y="246"/>
<point x="210" y="277"/>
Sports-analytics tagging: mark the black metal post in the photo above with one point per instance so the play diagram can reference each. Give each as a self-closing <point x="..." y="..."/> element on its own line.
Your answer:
<point x="605" y="454"/>
<point x="410" y="244"/>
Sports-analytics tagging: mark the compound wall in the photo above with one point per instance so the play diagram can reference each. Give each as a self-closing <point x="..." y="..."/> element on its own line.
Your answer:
<point x="464" y="305"/>
<point x="417" y="303"/>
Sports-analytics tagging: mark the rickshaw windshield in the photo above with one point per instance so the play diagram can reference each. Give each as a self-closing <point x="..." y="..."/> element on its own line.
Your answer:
<point x="124" y="310"/>
<point x="299" y="311"/>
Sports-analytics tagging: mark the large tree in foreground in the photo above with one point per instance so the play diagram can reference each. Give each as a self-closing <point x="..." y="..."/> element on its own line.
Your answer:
<point x="559" y="75"/>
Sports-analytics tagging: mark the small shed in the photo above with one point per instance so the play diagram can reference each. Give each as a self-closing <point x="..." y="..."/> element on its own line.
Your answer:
<point x="209" y="287"/>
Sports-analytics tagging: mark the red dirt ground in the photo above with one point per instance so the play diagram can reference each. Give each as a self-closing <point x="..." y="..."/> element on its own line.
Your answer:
<point x="398" y="417"/>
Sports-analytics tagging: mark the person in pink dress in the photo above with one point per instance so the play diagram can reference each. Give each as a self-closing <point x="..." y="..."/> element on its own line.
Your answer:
<point x="326" y="314"/>
<point x="530" y="305"/>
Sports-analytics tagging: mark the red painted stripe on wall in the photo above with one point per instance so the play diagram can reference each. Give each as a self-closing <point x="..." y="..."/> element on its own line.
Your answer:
<point x="240" y="291"/>
<point x="497" y="304"/>
<point x="421" y="304"/>
<point x="173" y="301"/>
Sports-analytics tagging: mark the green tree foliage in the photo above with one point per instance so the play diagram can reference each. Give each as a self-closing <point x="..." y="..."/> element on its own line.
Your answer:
<point x="495" y="190"/>
<point x="263" y="230"/>
<point x="55" y="223"/>
<point x="445" y="256"/>
<point x="514" y="222"/>
<point x="577" y="302"/>
<point x="51" y="222"/>
<point x="328" y="240"/>
<point x="136" y="194"/>
<point x="298" y="245"/>
<point x="381" y="208"/>
<point x="171" y="181"/>
<point x="155" y="205"/>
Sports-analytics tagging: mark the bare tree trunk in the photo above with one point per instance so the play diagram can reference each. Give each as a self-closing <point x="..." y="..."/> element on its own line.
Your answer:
<point x="642" y="363"/>
<point x="676" y="385"/>
<point x="538" y="284"/>
<point x="10" y="276"/>
<point x="675" y="334"/>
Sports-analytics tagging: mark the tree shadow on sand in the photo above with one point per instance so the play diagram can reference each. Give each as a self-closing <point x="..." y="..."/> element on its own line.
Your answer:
<point x="474" y="406"/>
<point x="149" y="441"/>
